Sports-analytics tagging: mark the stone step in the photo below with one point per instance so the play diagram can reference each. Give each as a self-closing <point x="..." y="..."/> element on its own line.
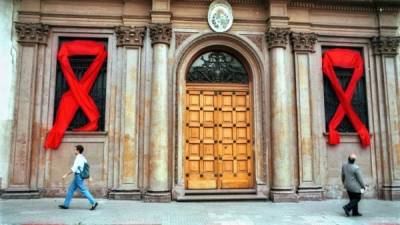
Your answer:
<point x="20" y="195"/>
<point x="220" y="192"/>
<point x="224" y="197"/>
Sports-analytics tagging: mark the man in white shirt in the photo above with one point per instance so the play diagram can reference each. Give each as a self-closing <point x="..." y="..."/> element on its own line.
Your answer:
<point x="78" y="181"/>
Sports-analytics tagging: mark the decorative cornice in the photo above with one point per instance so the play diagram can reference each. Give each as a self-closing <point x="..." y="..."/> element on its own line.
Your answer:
<point x="32" y="32"/>
<point x="130" y="36"/>
<point x="277" y="37"/>
<point x="348" y="5"/>
<point x="385" y="45"/>
<point x="244" y="2"/>
<point x="303" y="42"/>
<point x="160" y="33"/>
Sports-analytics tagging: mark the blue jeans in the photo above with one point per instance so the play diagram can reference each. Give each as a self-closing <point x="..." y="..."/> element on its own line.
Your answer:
<point x="78" y="182"/>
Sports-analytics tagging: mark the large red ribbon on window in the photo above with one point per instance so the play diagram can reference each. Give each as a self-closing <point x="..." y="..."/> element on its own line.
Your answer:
<point x="348" y="59"/>
<point x="78" y="94"/>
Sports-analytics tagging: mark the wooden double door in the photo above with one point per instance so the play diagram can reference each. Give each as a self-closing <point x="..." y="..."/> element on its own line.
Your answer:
<point x="218" y="133"/>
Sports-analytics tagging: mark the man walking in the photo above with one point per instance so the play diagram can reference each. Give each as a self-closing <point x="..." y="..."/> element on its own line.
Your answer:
<point x="78" y="181"/>
<point x="354" y="184"/>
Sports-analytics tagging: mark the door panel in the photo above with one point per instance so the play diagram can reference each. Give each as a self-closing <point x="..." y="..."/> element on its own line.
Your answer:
<point x="200" y="165"/>
<point x="218" y="151"/>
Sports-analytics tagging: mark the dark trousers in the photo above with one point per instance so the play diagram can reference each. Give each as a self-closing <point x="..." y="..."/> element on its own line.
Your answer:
<point x="353" y="204"/>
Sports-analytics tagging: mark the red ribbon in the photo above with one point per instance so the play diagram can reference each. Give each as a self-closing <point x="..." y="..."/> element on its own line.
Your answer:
<point x="78" y="94"/>
<point x="348" y="59"/>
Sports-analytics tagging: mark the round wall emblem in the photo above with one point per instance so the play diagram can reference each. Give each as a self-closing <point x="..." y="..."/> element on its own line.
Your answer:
<point x="220" y="16"/>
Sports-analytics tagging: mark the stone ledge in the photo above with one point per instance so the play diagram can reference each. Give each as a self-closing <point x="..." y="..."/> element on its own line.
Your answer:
<point x="125" y="195"/>
<point x="310" y="194"/>
<point x="13" y="194"/>
<point x="222" y="197"/>
<point x="278" y="196"/>
<point x="391" y="193"/>
<point x="157" y="197"/>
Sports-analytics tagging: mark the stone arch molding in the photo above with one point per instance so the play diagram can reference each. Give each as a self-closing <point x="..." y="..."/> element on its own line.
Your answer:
<point x="252" y="59"/>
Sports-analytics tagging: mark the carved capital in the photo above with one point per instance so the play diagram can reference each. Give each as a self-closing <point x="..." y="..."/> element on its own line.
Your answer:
<point x="32" y="32"/>
<point x="385" y="45"/>
<point x="160" y="33"/>
<point x="130" y="36"/>
<point x="303" y="42"/>
<point x="277" y="37"/>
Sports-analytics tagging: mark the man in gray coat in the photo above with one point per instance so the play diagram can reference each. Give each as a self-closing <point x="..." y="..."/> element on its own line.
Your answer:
<point x="354" y="184"/>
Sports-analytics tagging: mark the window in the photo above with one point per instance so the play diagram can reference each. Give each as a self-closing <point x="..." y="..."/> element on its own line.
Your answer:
<point x="79" y="65"/>
<point x="217" y="67"/>
<point x="359" y="100"/>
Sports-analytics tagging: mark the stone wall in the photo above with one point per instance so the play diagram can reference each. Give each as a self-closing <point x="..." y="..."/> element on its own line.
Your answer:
<point x="278" y="41"/>
<point x="7" y="84"/>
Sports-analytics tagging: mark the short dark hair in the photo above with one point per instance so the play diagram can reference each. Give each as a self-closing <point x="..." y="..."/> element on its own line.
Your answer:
<point x="79" y="148"/>
<point x="351" y="160"/>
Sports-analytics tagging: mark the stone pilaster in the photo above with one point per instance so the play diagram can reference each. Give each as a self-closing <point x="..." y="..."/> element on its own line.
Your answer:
<point x="385" y="50"/>
<point x="23" y="181"/>
<point x="303" y="47"/>
<point x="126" y="180"/>
<point x="282" y="170"/>
<point x="159" y="188"/>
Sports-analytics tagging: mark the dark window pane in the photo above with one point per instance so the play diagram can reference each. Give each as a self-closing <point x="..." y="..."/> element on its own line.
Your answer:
<point x="217" y="67"/>
<point x="359" y="100"/>
<point x="79" y="65"/>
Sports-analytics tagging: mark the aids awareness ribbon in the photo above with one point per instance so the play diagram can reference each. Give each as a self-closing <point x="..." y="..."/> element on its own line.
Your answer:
<point x="78" y="94"/>
<point x="348" y="59"/>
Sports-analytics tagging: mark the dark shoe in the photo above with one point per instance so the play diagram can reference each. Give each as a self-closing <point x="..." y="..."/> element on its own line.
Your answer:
<point x="347" y="212"/>
<point x="62" y="207"/>
<point x="357" y="214"/>
<point x="94" y="206"/>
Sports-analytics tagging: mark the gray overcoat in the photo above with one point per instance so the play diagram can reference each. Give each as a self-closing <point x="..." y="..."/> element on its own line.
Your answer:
<point x="351" y="178"/>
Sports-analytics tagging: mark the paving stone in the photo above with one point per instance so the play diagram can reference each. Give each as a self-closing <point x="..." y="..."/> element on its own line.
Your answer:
<point x="329" y="212"/>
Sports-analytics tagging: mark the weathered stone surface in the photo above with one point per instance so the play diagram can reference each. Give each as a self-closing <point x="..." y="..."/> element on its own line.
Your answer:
<point x="158" y="152"/>
<point x="20" y="194"/>
<point x="310" y="194"/>
<point x="8" y="48"/>
<point x="303" y="41"/>
<point x="157" y="197"/>
<point x="151" y="160"/>
<point x="282" y="167"/>
<point x="284" y="196"/>
<point x="32" y="32"/>
<point x="277" y="37"/>
<point x="160" y="33"/>
<point x="385" y="45"/>
<point x="130" y="36"/>
<point x="125" y="195"/>
<point x="181" y="37"/>
<point x="391" y="193"/>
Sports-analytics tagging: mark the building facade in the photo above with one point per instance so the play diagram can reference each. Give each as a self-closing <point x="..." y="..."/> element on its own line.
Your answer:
<point x="204" y="100"/>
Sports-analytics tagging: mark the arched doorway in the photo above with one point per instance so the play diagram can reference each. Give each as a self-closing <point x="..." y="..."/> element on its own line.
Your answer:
<point x="218" y="122"/>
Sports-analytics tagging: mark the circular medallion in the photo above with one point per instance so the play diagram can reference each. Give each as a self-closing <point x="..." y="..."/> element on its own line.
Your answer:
<point x="220" y="16"/>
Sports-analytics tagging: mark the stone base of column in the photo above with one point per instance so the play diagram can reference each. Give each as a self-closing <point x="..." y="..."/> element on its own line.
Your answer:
<point x="151" y="196"/>
<point x="310" y="193"/>
<point x="11" y="193"/>
<point x="178" y="191"/>
<point x="391" y="192"/>
<point x="284" y="195"/>
<point x="125" y="195"/>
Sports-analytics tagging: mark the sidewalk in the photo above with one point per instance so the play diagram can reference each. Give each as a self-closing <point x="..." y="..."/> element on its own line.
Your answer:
<point x="329" y="212"/>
